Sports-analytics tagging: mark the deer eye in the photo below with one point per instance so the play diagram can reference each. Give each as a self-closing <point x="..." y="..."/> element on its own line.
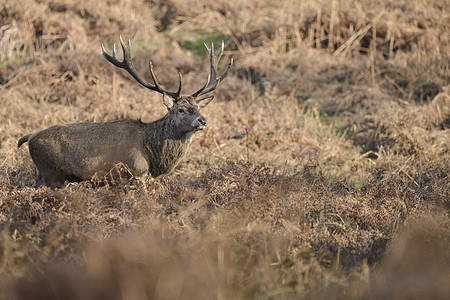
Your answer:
<point x="181" y="110"/>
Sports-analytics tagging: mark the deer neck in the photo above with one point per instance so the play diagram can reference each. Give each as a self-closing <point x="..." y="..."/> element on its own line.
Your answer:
<point x="166" y="146"/>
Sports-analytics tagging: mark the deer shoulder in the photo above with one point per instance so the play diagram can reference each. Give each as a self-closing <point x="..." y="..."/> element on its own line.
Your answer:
<point x="76" y="152"/>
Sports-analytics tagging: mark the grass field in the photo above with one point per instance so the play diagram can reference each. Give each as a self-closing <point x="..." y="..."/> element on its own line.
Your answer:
<point x="323" y="172"/>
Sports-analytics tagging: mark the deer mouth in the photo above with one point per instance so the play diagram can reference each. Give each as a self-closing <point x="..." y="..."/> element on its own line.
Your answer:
<point x="200" y="127"/>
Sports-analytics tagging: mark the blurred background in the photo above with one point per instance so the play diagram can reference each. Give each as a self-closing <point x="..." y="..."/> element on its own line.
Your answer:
<point x="322" y="173"/>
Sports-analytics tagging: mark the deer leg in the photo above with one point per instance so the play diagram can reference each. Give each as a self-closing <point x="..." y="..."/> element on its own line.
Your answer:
<point x="55" y="179"/>
<point x="48" y="176"/>
<point x="39" y="180"/>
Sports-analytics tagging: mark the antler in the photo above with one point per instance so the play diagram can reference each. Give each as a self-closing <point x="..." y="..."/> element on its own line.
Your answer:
<point x="212" y="81"/>
<point x="128" y="65"/>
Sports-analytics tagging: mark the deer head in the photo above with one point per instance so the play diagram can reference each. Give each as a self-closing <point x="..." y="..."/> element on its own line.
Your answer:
<point x="75" y="152"/>
<point x="181" y="106"/>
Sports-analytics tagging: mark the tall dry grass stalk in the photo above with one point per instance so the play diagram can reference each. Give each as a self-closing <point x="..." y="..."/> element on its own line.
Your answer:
<point x="323" y="172"/>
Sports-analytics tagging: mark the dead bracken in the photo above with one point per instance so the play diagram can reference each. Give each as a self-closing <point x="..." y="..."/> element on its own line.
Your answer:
<point x="322" y="173"/>
<point x="77" y="152"/>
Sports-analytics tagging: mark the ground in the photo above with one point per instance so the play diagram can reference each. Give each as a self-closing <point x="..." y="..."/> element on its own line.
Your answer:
<point x="323" y="171"/>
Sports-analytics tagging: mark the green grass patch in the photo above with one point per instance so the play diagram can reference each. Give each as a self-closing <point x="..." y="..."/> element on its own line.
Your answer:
<point x="193" y="40"/>
<point x="19" y="59"/>
<point x="336" y="121"/>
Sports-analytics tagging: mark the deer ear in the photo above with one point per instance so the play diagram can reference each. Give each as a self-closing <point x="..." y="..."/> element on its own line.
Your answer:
<point x="204" y="101"/>
<point x="168" y="101"/>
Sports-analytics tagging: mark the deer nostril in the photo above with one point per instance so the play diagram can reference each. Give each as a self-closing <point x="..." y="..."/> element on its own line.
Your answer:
<point x="201" y="121"/>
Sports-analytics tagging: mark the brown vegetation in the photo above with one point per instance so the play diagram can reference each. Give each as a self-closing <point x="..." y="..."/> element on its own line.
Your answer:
<point x="323" y="172"/>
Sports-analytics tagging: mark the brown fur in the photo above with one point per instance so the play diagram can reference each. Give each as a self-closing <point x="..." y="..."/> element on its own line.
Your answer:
<point x="76" y="152"/>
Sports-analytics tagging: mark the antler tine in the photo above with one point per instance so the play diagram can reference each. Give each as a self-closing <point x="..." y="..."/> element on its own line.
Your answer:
<point x="155" y="80"/>
<point x="213" y="81"/>
<point x="222" y="46"/>
<point x="208" y="80"/>
<point x="179" y="85"/>
<point x="128" y="65"/>
<point x="213" y="61"/>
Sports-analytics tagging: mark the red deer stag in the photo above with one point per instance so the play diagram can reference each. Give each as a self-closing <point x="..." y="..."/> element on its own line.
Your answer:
<point x="76" y="152"/>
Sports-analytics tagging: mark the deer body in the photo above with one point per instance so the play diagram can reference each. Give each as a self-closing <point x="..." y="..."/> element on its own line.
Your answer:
<point x="155" y="147"/>
<point x="76" y="152"/>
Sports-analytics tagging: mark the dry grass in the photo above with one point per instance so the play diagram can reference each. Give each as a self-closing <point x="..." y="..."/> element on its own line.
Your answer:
<point x="323" y="172"/>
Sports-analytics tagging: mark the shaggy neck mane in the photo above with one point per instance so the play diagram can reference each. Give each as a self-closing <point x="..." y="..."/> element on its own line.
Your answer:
<point x="166" y="145"/>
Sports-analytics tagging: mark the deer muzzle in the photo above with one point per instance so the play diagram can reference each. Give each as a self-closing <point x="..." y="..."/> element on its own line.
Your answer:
<point x="201" y="123"/>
